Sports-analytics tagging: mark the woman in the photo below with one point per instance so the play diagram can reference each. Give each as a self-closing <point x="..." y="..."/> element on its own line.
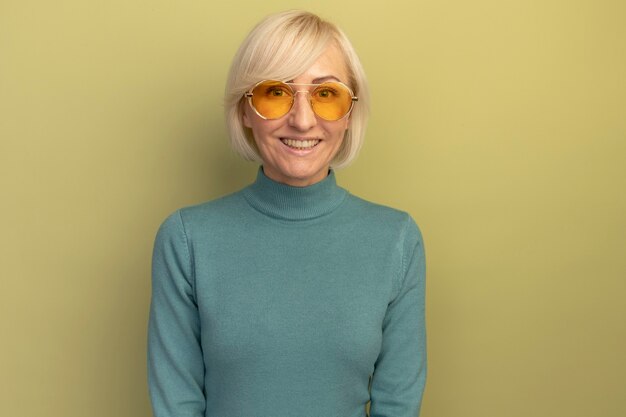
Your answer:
<point x="291" y="297"/>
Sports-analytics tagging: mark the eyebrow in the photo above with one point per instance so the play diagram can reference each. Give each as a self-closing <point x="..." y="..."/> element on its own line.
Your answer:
<point x="320" y="80"/>
<point x="325" y="78"/>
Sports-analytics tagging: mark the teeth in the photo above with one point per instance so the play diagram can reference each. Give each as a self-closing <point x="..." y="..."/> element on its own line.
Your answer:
<point x="300" y="144"/>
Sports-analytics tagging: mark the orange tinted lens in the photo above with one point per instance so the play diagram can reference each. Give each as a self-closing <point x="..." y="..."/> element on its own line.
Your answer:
<point x="272" y="99"/>
<point x="331" y="101"/>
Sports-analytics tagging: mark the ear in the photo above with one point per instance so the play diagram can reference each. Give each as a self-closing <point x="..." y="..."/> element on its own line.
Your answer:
<point x="246" y="119"/>
<point x="347" y="121"/>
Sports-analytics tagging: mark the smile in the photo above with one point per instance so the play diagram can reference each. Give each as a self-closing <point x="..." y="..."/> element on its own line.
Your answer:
<point x="300" y="144"/>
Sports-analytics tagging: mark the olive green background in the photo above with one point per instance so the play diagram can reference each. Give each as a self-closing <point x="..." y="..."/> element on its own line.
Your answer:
<point x="499" y="125"/>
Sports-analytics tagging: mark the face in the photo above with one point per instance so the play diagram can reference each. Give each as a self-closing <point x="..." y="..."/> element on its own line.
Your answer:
<point x="297" y="148"/>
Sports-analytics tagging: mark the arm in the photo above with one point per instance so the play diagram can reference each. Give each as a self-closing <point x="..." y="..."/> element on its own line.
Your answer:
<point x="175" y="362"/>
<point x="400" y="370"/>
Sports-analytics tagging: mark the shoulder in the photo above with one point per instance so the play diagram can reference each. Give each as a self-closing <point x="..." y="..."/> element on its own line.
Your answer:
<point x="391" y="228"/>
<point x="213" y="213"/>
<point x="383" y="217"/>
<point x="228" y="205"/>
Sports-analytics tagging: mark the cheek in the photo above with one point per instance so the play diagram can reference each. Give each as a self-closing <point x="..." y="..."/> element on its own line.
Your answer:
<point x="263" y="131"/>
<point x="341" y="128"/>
<point x="345" y="124"/>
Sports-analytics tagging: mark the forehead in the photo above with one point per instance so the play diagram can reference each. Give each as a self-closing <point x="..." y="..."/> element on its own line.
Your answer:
<point x="331" y="64"/>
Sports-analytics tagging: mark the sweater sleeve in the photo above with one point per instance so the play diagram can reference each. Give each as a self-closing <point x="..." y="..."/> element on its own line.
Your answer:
<point x="175" y="362"/>
<point x="400" y="370"/>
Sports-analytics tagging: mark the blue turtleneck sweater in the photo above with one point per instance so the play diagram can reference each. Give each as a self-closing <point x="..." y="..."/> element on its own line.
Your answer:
<point x="280" y="301"/>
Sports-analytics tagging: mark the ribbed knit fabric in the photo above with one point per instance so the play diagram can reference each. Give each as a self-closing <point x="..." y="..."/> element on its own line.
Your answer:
<point x="280" y="301"/>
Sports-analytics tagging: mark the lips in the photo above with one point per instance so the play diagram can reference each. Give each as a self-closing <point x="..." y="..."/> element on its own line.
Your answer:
<point x="300" y="144"/>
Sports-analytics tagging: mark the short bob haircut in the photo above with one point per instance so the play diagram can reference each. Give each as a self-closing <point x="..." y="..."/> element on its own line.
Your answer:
<point x="281" y="47"/>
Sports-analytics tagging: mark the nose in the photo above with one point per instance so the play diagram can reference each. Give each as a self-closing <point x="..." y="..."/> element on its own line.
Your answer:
<point x="301" y="115"/>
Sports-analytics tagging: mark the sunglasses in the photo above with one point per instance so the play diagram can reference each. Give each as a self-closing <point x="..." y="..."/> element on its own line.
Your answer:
<point x="273" y="99"/>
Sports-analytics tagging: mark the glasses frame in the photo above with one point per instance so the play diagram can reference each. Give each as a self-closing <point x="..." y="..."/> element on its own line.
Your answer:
<point x="248" y="94"/>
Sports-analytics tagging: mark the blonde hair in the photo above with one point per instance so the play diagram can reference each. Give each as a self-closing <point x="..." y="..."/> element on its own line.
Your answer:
<point x="281" y="47"/>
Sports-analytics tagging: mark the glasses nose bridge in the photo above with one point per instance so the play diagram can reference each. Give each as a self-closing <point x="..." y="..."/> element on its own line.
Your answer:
<point x="295" y="92"/>
<point x="305" y="91"/>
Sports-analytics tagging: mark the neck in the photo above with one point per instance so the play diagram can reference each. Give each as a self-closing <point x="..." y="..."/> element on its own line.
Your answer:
<point x="294" y="181"/>
<point x="287" y="202"/>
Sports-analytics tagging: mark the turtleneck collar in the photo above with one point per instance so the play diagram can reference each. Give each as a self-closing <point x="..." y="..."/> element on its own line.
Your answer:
<point x="286" y="202"/>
